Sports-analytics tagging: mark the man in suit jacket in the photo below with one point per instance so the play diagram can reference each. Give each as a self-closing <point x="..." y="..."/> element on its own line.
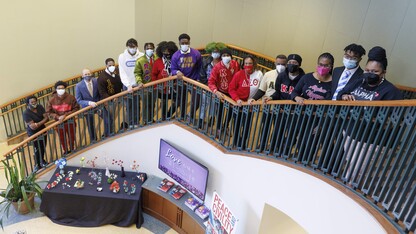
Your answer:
<point x="86" y="93"/>
<point x="350" y="72"/>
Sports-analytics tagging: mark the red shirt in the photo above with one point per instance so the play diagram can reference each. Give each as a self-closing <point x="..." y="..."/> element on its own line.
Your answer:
<point x="221" y="76"/>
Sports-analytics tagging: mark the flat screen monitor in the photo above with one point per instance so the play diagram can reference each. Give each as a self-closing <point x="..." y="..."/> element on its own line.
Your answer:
<point x="187" y="172"/>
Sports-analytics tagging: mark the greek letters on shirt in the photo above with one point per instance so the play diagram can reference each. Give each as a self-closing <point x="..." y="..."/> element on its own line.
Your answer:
<point x="147" y="77"/>
<point x="314" y="92"/>
<point x="186" y="62"/>
<point x="284" y="89"/>
<point x="363" y="94"/>
<point x="223" y="78"/>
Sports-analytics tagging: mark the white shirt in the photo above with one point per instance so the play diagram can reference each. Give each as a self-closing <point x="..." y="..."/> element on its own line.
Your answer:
<point x="255" y="80"/>
<point x="126" y="65"/>
<point x="267" y="84"/>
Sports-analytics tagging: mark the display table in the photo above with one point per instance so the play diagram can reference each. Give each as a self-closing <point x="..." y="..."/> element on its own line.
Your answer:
<point x="86" y="207"/>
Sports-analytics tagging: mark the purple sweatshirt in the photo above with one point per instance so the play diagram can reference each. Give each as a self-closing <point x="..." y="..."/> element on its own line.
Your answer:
<point x="188" y="63"/>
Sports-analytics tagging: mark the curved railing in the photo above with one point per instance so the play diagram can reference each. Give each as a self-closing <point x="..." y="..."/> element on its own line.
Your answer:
<point x="367" y="147"/>
<point x="12" y="112"/>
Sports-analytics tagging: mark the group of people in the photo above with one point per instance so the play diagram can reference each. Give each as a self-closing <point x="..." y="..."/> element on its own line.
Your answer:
<point x="220" y="72"/>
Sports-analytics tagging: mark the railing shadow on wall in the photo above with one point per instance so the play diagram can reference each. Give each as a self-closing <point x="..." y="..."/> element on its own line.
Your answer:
<point x="368" y="147"/>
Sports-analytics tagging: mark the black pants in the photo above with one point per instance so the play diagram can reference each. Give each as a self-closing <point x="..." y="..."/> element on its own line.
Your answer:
<point x="39" y="146"/>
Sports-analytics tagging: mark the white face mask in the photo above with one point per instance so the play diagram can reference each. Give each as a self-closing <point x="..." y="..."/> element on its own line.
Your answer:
<point x="215" y="55"/>
<point x="184" y="48"/>
<point x="226" y="59"/>
<point x="280" y="68"/>
<point x="60" y="92"/>
<point x="111" y="69"/>
<point x="132" y="50"/>
<point x="149" y="52"/>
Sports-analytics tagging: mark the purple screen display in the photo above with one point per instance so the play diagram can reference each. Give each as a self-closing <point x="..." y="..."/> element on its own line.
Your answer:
<point x="190" y="174"/>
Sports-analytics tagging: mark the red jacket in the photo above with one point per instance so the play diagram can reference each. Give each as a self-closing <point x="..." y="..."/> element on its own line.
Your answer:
<point x="221" y="76"/>
<point x="159" y="72"/>
<point x="239" y="87"/>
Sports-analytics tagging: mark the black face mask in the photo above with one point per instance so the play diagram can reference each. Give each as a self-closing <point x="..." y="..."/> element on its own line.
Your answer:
<point x="167" y="56"/>
<point x="371" y="78"/>
<point x="292" y="68"/>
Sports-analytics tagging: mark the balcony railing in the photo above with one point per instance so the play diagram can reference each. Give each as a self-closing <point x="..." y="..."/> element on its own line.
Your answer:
<point x="368" y="147"/>
<point x="12" y="112"/>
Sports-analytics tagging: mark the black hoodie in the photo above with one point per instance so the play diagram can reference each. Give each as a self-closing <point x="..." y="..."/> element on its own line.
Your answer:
<point x="284" y="86"/>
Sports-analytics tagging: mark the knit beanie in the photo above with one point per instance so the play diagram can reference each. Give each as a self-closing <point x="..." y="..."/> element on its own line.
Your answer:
<point x="295" y="57"/>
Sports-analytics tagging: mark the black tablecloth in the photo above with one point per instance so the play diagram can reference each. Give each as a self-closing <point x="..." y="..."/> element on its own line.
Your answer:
<point x="88" y="208"/>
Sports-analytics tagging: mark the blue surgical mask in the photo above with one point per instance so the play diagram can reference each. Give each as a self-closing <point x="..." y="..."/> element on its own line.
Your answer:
<point x="349" y="63"/>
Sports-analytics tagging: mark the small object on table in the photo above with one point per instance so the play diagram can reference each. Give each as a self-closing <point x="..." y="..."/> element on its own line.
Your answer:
<point x="99" y="189"/>
<point x="79" y="184"/>
<point x="115" y="187"/>
<point x="133" y="189"/>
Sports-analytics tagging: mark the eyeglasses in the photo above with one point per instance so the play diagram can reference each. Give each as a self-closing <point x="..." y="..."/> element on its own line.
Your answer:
<point x="350" y="57"/>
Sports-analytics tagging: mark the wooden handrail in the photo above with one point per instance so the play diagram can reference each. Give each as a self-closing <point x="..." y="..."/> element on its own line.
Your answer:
<point x="44" y="88"/>
<point x="202" y="86"/>
<point x="271" y="59"/>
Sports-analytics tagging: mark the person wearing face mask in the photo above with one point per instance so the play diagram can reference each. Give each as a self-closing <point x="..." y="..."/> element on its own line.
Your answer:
<point x="109" y="84"/>
<point x="218" y="82"/>
<point x="372" y="87"/>
<point x="35" y="118"/>
<point x="208" y="62"/>
<point x="312" y="86"/>
<point x="161" y="70"/>
<point x="243" y="86"/>
<point x="350" y="72"/>
<point x="143" y="73"/>
<point x="285" y="83"/>
<point x="59" y="106"/>
<point x="316" y="85"/>
<point x="126" y="64"/>
<point x="373" y="84"/>
<point x="267" y="85"/>
<point x="186" y="62"/>
<point x="86" y="93"/>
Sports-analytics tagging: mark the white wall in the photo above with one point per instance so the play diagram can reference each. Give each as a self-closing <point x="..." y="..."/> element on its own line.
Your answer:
<point x="246" y="184"/>
<point x="44" y="41"/>
<point x="306" y="27"/>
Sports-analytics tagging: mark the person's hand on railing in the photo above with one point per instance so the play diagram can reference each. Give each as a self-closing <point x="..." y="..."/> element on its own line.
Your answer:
<point x="179" y="74"/>
<point x="93" y="104"/>
<point x="130" y="89"/>
<point x="250" y="101"/>
<point x="61" y="118"/>
<point x="266" y="99"/>
<point x="219" y="95"/>
<point x="239" y="102"/>
<point x="140" y="85"/>
<point x="300" y="100"/>
<point x="348" y="97"/>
